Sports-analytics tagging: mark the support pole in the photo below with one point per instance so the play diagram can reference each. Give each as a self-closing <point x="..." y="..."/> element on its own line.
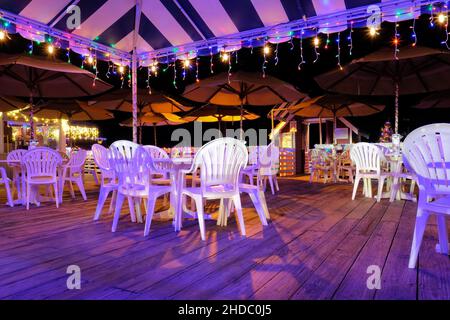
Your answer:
<point x="134" y="94"/>
<point x="2" y="132"/>
<point x="62" y="137"/>
<point x="396" y="106"/>
<point x="320" y="130"/>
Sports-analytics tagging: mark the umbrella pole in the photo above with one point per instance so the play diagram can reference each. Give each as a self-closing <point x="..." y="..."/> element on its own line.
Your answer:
<point x="154" y="134"/>
<point x="241" y="133"/>
<point x="334" y="127"/>
<point x="140" y="134"/>
<point x="134" y="94"/>
<point x="31" y="117"/>
<point x="320" y="130"/>
<point x="396" y="106"/>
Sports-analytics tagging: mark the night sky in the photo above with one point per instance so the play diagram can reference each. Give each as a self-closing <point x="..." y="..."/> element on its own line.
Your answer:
<point x="286" y="70"/>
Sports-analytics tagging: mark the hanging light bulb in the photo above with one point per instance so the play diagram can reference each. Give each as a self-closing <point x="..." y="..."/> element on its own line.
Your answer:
<point x="225" y="57"/>
<point x="316" y="41"/>
<point x="373" y="31"/>
<point x="186" y="63"/>
<point x="441" y="18"/>
<point x="3" y="35"/>
<point x="266" y="49"/>
<point x="90" y="59"/>
<point x="50" y="49"/>
<point x="121" y="69"/>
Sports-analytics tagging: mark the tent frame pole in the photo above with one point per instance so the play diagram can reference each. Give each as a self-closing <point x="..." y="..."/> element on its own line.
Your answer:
<point x="134" y="65"/>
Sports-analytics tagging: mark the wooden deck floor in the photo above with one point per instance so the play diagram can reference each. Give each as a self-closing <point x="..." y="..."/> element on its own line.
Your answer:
<point x="318" y="246"/>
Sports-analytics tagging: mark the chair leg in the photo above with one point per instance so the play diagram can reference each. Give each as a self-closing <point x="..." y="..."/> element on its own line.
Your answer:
<point x="8" y="194"/>
<point x="119" y="203"/>
<point x="113" y="200"/>
<point x="395" y="187"/>
<point x="257" y="202"/>
<point x="239" y="214"/>
<point x="131" y="206"/>
<point x="276" y="182"/>
<point x="28" y="192"/>
<point x="443" y="234"/>
<point x="200" y="216"/>
<point x="150" y="210"/>
<point x="355" y="186"/>
<point x="80" y="185"/>
<point x="419" y="229"/>
<point x="380" y="188"/>
<point x="271" y="184"/>
<point x="72" y="192"/>
<point x="55" y="187"/>
<point x="101" y="202"/>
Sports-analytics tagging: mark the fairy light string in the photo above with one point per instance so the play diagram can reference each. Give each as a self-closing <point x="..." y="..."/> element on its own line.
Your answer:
<point x="302" y="60"/>
<point x="350" y="38"/>
<point x="316" y="43"/>
<point x="338" y="56"/>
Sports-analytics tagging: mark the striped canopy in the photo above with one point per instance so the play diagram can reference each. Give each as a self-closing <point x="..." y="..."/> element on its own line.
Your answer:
<point x="174" y="24"/>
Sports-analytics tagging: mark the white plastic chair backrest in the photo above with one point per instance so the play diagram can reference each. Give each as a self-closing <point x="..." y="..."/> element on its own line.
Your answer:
<point x="427" y="154"/>
<point x="77" y="158"/>
<point x="269" y="159"/>
<point x="127" y="148"/>
<point x="15" y="155"/>
<point x="253" y="155"/>
<point x="157" y="153"/>
<point x="100" y="155"/>
<point x="41" y="162"/>
<point x="132" y="173"/>
<point x="384" y="148"/>
<point x="220" y="162"/>
<point x="367" y="157"/>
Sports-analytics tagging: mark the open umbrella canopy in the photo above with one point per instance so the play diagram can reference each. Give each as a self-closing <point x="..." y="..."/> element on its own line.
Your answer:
<point x="412" y="70"/>
<point x="217" y="113"/>
<point x="336" y="106"/>
<point x="11" y="104"/>
<point x="437" y="100"/>
<point x="122" y="100"/>
<point x="72" y="110"/>
<point x="24" y="75"/>
<point x="151" y="119"/>
<point x="242" y="88"/>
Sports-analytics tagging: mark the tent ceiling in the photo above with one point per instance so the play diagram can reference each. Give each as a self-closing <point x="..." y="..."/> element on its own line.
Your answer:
<point x="174" y="24"/>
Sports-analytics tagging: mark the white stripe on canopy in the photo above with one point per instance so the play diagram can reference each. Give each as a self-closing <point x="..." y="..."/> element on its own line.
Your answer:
<point x="165" y="22"/>
<point x="104" y="17"/>
<point x="215" y="16"/>
<point x="271" y="12"/>
<point x="34" y="9"/>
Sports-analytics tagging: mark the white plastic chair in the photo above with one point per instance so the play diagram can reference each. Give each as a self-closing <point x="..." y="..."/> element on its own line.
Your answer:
<point x="220" y="162"/>
<point x="72" y="172"/>
<point x="6" y="181"/>
<point x="40" y="166"/>
<point x="345" y="167"/>
<point x="127" y="149"/>
<point x="108" y="181"/>
<point x="134" y="182"/>
<point x="319" y="165"/>
<point x="368" y="159"/>
<point x="269" y="162"/>
<point x="14" y="159"/>
<point x="159" y="153"/>
<point x="427" y="153"/>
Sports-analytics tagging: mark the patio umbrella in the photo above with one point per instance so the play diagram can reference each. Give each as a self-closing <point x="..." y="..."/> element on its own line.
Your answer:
<point x="243" y="88"/>
<point x="72" y="110"/>
<point x="154" y="120"/>
<point x="437" y="100"/>
<point x="217" y="113"/>
<point x="11" y="104"/>
<point x="122" y="100"/>
<point x="39" y="77"/>
<point x="416" y="70"/>
<point x="334" y="106"/>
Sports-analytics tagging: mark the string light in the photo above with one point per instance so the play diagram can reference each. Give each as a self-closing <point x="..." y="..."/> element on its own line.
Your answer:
<point x="292" y="43"/>
<point x="175" y="74"/>
<point x="50" y="49"/>
<point x="110" y="66"/>
<point x="396" y="41"/>
<point x="149" y="74"/>
<point x="373" y="32"/>
<point x="276" y="54"/>
<point x="31" y="47"/>
<point x="413" y="28"/>
<point x="229" y="69"/>
<point x="316" y="43"/>
<point x="211" y="63"/>
<point x="186" y="64"/>
<point x="302" y="60"/>
<point x="196" y="68"/>
<point x="431" y="9"/>
<point x="350" y="38"/>
<point x="338" y="41"/>
<point x="441" y="18"/>
<point x="225" y="57"/>
<point x="446" y="42"/>
<point x="4" y="35"/>
<point x="68" y="55"/>
<point x="266" y="51"/>
<point x="327" y="42"/>
<point x="121" y="69"/>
